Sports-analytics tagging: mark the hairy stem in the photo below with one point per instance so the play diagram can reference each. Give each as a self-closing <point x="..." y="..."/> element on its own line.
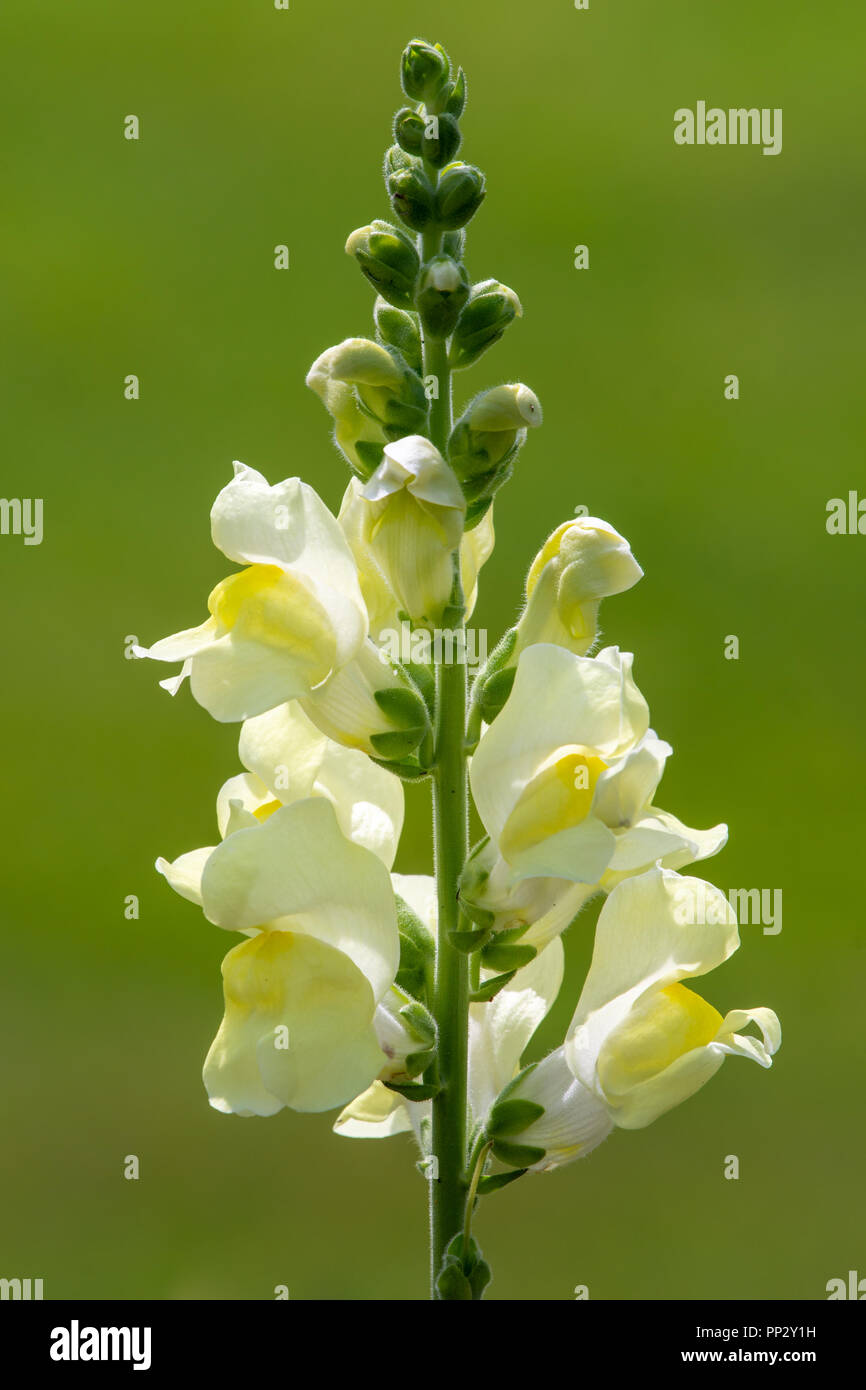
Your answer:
<point x="448" y="1190"/>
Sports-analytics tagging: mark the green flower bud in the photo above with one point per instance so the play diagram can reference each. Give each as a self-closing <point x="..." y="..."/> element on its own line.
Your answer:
<point x="400" y="330"/>
<point x="411" y="192"/>
<point x="482" y="322"/>
<point x="388" y="259"/>
<point x="440" y="139"/>
<point x="409" y="130"/>
<point x="386" y="389"/>
<point x="442" y="292"/>
<point x="459" y="195"/>
<point x="486" y="439"/>
<point x="424" y="70"/>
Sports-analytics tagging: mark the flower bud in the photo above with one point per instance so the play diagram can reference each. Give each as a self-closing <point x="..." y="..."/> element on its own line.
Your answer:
<point x="410" y="190"/>
<point x="388" y="259"/>
<point x="440" y="139"/>
<point x="581" y="563"/>
<point x="459" y="195"/>
<point x="358" y="437"/>
<point x="424" y="70"/>
<point x="399" y="330"/>
<point x="442" y="291"/>
<point x="409" y="130"/>
<point x="482" y="322"/>
<point x="386" y="388"/>
<point x="411" y="522"/>
<point x="486" y="439"/>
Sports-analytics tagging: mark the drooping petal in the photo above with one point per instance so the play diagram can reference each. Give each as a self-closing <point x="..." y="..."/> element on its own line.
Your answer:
<point x="646" y="939"/>
<point x="377" y="1114"/>
<point x="297" y="1029"/>
<point x="184" y="873"/>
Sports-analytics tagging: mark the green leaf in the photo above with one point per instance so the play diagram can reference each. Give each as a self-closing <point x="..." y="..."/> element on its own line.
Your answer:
<point x="512" y="1116"/>
<point x="490" y="988"/>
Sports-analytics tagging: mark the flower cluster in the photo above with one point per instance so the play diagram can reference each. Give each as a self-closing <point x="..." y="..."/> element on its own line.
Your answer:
<point x="333" y="995"/>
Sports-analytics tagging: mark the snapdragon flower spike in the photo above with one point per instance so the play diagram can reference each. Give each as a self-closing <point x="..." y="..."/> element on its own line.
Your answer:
<point x="301" y="993"/>
<point x="289" y="620"/>
<point x="563" y="781"/>
<point x="640" y="1041"/>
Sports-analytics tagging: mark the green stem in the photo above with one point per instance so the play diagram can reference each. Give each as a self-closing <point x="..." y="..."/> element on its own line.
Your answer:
<point x="451" y="844"/>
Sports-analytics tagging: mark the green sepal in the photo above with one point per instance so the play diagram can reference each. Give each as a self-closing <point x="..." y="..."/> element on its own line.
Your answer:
<point x="405" y="769"/>
<point x="396" y="744"/>
<point x="408" y="130"/>
<point x="423" y="679"/>
<point x="493" y="1181"/>
<point x="417" y="953"/>
<point x="418" y="1062"/>
<point x="465" y="1273"/>
<point x="370" y="454"/>
<point x="413" y="1090"/>
<point x="512" y="1116"/>
<point x="497" y="957"/>
<point x="521" y="1156"/>
<point x="412" y="195"/>
<point x="494" y="693"/>
<point x="477" y="511"/>
<point x="439" y="150"/>
<point x="419" y="1021"/>
<point x="403" y="707"/>
<point x="454" y="243"/>
<point x="508" y="935"/>
<point x="399" y="329"/>
<point x="456" y="102"/>
<point x="458" y="196"/>
<point x="452" y="1285"/>
<point x="481" y="916"/>
<point x="491" y="988"/>
<point x="469" y="941"/>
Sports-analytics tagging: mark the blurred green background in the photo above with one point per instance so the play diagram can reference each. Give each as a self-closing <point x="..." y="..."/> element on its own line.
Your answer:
<point x="261" y="127"/>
